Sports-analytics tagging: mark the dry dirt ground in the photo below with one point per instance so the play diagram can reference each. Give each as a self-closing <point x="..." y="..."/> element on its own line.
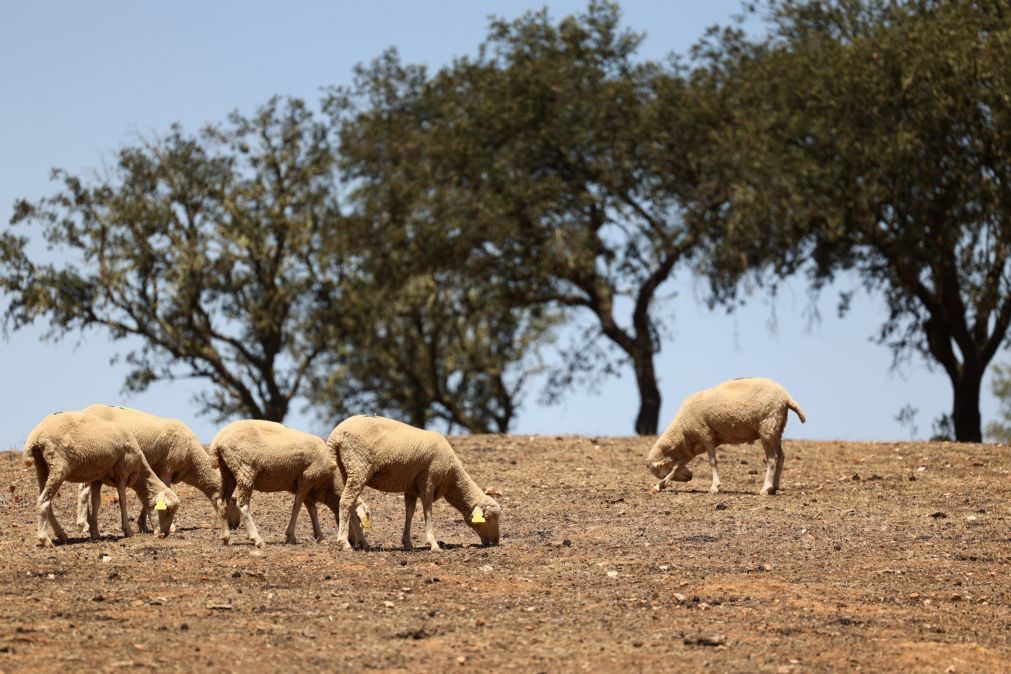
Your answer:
<point x="875" y="557"/>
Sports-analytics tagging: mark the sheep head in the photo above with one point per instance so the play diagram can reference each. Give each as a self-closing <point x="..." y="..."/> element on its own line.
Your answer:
<point x="166" y="504"/>
<point x="364" y="514"/>
<point x="484" y="520"/>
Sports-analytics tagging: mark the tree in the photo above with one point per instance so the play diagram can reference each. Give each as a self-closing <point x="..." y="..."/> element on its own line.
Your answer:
<point x="216" y="250"/>
<point x="873" y="137"/>
<point x="434" y="349"/>
<point x="437" y="341"/>
<point x="999" y="430"/>
<point x="542" y="157"/>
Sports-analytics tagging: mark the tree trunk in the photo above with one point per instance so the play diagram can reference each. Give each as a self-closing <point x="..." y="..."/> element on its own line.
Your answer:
<point x="965" y="410"/>
<point x="649" y="394"/>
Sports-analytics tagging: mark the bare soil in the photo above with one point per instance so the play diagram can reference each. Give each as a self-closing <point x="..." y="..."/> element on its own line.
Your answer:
<point x="875" y="557"/>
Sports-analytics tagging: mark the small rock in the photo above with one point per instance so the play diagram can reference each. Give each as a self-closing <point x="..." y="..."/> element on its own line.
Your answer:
<point x="664" y="567"/>
<point x="461" y="660"/>
<point x="706" y="640"/>
<point x="487" y="568"/>
<point x="257" y="553"/>
<point x="721" y="506"/>
<point x="219" y="607"/>
<point x="939" y="515"/>
<point x="971" y="518"/>
<point x="752" y="472"/>
<point x="566" y="542"/>
<point x="680" y="598"/>
<point x="856" y="477"/>
<point x="157" y="601"/>
<point x="920" y="469"/>
<point x="236" y="574"/>
<point x="612" y="574"/>
<point x="105" y="558"/>
<point x="479" y="622"/>
<point x="388" y="604"/>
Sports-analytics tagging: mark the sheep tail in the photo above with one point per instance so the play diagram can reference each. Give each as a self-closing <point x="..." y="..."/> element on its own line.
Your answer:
<point x="795" y="406"/>
<point x="33" y="452"/>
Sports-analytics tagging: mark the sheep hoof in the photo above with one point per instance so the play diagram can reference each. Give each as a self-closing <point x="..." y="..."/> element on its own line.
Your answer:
<point x="656" y="489"/>
<point x="715" y="489"/>
<point x="290" y="541"/>
<point x="45" y="542"/>
<point x="767" y="492"/>
<point x="259" y="543"/>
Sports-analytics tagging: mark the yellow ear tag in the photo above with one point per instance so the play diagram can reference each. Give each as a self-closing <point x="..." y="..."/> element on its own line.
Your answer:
<point x="477" y="517"/>
<point x="160" y="505"/>
<point x="366" y="522"/>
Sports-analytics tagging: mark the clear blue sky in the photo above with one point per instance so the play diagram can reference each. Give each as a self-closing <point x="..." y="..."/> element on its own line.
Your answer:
<point x="81" y="79"/>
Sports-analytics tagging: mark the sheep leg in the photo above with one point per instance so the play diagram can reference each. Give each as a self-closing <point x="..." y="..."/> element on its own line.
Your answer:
<point x="410" y="503"/>
<point x="711" y="452"/>
<point x="770" y="468"/>
<point x="225" y="502"/>
<point x="245" y="494"/>
<point x="144" y="518"/>
<point x="317" y="532"/>
<point x="49" y="483"/>
<point x="426" y="508"/>
<point x="780" y="460"/>
<point x="96" y="502"/>
<point x="83" y="497"/>
<point x="289" y="534"/>
<point x="124" y="516"/>
<point x="349" y="499"/>
<point x="357" y="533"/>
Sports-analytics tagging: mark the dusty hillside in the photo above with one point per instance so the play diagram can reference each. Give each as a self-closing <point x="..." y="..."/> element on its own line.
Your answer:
<point x="875" y="556"/>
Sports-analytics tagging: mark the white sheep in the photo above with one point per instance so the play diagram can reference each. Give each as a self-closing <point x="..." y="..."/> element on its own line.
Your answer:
<point x="393" y="457"/>
<point x="736" y="411"/>
<point x="173" y="452"/>
<point x="267" y="456"/>
<point x="76" y="447"/>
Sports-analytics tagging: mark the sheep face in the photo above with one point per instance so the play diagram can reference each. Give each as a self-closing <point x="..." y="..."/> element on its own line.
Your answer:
<point x="166" y="505"/>
<point x="486" y="530"/>
<point x="364" y="514"/>
<point x="662" y="467"/>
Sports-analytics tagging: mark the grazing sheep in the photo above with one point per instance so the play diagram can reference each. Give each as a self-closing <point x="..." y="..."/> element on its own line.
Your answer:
<point x="173" y="452"/>
<point x="739" y="410"/>
<point x="266" y="456"/>
<point x="76" y="447"/>
<point x="393" y="457"/>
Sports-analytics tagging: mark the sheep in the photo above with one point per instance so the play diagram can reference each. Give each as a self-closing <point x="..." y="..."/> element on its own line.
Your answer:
<point x="77" y="447"/>
<point x="267" y="456"/>
<point x="736" y="411"/>
<point x="393" y="457"/>
<point x="173" y="452"/>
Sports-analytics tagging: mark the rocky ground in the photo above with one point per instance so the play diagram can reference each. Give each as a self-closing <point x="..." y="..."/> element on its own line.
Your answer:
<point x="879" y="557"/>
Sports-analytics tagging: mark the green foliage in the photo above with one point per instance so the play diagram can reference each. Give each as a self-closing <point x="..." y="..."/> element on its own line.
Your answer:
<point x="208" y="248"/>
<point x="542" y="163"/>
<point x="873" y="137"/>
<point x="999" y="430"/>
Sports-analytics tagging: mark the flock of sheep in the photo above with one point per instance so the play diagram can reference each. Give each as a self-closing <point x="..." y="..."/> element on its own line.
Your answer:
<point x="125" y="448"/>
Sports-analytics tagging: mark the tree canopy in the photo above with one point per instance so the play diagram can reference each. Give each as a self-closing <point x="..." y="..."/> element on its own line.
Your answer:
<point x="544" y="160"/>
<point x="873" y="137"/>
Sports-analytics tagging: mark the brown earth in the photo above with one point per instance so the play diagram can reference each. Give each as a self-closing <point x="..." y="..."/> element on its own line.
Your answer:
<point x="875" y="557"/>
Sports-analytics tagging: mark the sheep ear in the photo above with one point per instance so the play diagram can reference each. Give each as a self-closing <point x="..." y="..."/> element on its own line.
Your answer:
<point x="492" y="491"/>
